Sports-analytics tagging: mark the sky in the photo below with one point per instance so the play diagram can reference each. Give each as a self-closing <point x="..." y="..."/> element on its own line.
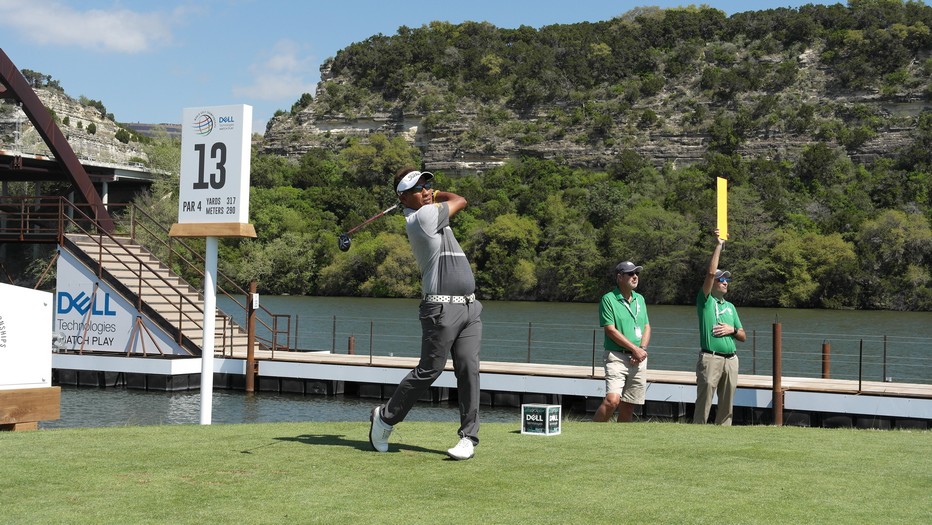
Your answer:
<point x="147" y="61"/>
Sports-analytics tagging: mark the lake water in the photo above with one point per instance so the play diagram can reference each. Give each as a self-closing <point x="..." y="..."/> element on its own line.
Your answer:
<point x="560" y="333"/>
<point x="568" y="333"/>
<point x="83" y="407"/>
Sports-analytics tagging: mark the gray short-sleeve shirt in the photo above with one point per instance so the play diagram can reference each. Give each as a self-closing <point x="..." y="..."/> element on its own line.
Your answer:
<point x="443" y="265"/>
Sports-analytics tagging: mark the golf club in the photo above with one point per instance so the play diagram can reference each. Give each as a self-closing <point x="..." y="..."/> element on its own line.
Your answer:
<point x="344" y="240"/>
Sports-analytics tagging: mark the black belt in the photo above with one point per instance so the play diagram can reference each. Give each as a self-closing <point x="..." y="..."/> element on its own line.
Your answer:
<point x="719" y="354"/>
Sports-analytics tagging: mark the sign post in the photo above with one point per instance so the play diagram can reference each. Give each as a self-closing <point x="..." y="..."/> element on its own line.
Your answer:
<point x="722" y="208"/>
<point x="213" y="202"/>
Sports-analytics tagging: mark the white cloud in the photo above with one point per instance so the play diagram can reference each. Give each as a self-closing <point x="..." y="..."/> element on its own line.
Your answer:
<point x="282" y="75"/>
<point x="117" y="30"/>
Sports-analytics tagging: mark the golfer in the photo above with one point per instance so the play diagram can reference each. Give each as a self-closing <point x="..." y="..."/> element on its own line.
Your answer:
<point x="719" y="327"/>
<point x="449" y="313"/>
<point x="623" y="316"/>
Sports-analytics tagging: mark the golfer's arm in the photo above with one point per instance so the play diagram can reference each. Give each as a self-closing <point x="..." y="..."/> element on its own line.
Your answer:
<point x="454" y="202"/>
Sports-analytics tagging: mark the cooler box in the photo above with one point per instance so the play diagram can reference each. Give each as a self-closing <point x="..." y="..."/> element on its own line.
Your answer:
<point x="541" y="420"/>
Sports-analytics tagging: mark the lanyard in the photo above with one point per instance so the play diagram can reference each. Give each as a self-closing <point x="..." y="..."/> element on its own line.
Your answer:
<point x="637" y="305"/>
<point x="718" y="314"/>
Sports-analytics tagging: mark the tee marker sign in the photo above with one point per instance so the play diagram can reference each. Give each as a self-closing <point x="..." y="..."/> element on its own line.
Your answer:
<point x="213" y="198"/>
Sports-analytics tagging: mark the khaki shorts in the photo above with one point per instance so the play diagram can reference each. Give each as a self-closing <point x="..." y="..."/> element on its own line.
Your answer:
<point x="625" y="379"/>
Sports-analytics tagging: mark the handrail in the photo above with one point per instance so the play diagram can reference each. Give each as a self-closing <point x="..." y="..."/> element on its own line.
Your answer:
<point x="159" y="236"/>
<point x="138" y="274"/>
<point x="48" y="219"/>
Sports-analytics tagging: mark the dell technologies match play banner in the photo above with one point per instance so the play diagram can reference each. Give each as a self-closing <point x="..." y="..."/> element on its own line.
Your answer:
<point x="25" y="338"/>
<point x="102" y="321"/>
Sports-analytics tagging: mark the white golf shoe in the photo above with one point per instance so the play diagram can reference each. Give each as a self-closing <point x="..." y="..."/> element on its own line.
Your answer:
<point x="463" y="450"/>
<point x="379" y="431"/>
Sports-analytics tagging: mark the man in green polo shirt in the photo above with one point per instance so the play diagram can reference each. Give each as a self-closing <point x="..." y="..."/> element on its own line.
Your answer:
<point x="719" y="327"/>
<point x="623" y="317"/>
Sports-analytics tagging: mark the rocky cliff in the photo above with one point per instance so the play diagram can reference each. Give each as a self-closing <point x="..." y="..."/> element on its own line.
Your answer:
<point x="661" y="127"/>
<point x="74" y="119"/>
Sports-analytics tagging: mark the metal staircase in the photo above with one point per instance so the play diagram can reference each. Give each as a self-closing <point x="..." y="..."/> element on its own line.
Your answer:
<point x="157" y="290"/>
<point x="142" y="278"/>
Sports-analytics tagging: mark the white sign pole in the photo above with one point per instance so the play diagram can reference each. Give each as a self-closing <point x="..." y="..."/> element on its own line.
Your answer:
<point x="213" y="201"/>
<point x="210" y="321"/>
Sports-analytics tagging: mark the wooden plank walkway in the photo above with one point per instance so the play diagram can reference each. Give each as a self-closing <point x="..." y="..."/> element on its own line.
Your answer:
<point x="674" y="377"/>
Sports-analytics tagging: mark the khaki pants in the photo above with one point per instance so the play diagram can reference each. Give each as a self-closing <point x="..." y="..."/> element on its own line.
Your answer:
<point x="715" y="373"/>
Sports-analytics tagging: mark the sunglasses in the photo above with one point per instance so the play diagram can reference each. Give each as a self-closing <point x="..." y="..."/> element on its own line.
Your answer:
<point x="631" y="274"/>
<point x="724" y="279"/>
<point x="420" y="187"/>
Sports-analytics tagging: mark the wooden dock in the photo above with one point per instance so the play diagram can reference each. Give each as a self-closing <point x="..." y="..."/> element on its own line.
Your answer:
<point x="892" y="404"/>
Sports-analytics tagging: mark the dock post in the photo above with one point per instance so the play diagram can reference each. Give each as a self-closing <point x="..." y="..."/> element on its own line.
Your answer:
<point x="777" y="373"/>
<point x="594" y="332"/>
<point x="351" y="345"/>
<point x="826" y="359"/>
<point x="251" y="338"/>
<point x="529" y="342"/>
<point x="297" y="323"/>
<point x="884" y="378"/>
<point x="860" y="364"/>
<point x="754" y="352"/>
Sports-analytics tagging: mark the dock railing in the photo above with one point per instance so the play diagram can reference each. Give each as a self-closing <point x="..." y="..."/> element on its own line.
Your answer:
<point x="871" y="357"/>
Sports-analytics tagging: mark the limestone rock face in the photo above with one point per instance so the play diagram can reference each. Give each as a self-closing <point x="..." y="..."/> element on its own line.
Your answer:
<point x="464" y="142"/>
<point x="18" y="134"/>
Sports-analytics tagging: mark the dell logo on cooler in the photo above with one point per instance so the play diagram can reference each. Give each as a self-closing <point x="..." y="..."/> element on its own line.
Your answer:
<point x="82" y="302"/>
<point x="225" y="120"/>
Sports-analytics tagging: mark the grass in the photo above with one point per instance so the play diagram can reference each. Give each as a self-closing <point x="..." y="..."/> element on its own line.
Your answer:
<point x="591" y="473"/>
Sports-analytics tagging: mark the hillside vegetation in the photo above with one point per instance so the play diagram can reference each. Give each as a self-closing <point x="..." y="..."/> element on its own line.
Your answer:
<point x="822" y="225"/>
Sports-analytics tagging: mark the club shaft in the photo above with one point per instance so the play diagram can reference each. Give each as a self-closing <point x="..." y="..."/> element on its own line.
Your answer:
<point x="370" y="219"/>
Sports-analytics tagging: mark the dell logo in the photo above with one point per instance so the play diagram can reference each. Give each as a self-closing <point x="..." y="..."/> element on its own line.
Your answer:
<point x="81" y="303"/>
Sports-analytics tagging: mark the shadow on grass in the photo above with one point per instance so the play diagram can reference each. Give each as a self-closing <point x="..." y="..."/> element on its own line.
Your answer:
<point x="339" y="440"/>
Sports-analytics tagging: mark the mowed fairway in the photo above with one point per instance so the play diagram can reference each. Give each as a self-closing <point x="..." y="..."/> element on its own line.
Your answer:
<point x="591" y="473"/>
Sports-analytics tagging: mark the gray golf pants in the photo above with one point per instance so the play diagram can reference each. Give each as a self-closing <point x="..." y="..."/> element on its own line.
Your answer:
<point x="447" y="329"/>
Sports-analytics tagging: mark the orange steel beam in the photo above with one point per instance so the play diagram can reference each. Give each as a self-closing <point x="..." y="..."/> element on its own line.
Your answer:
<point x="14" y="86"/>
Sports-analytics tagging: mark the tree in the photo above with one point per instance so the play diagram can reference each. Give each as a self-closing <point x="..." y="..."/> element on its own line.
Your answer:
<point x="303" y="102"/>
<point x="569" y="264"/>
<point x="663" y="242"/>
<point x="895" y="251"/>
<point x="269" y="171"/>
<point x="504" y="254"/>
<point x="815" y="271"/>
<point x="377" y="266"/>
<point x="375" y="162"/>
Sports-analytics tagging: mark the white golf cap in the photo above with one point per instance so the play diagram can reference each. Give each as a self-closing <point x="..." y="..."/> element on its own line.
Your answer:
<point x="408" y="181"/>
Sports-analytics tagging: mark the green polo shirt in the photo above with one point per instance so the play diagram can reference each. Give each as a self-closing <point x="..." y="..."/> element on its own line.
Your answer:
<point x="711" y="312"/>
<point x="624" y="315"/>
